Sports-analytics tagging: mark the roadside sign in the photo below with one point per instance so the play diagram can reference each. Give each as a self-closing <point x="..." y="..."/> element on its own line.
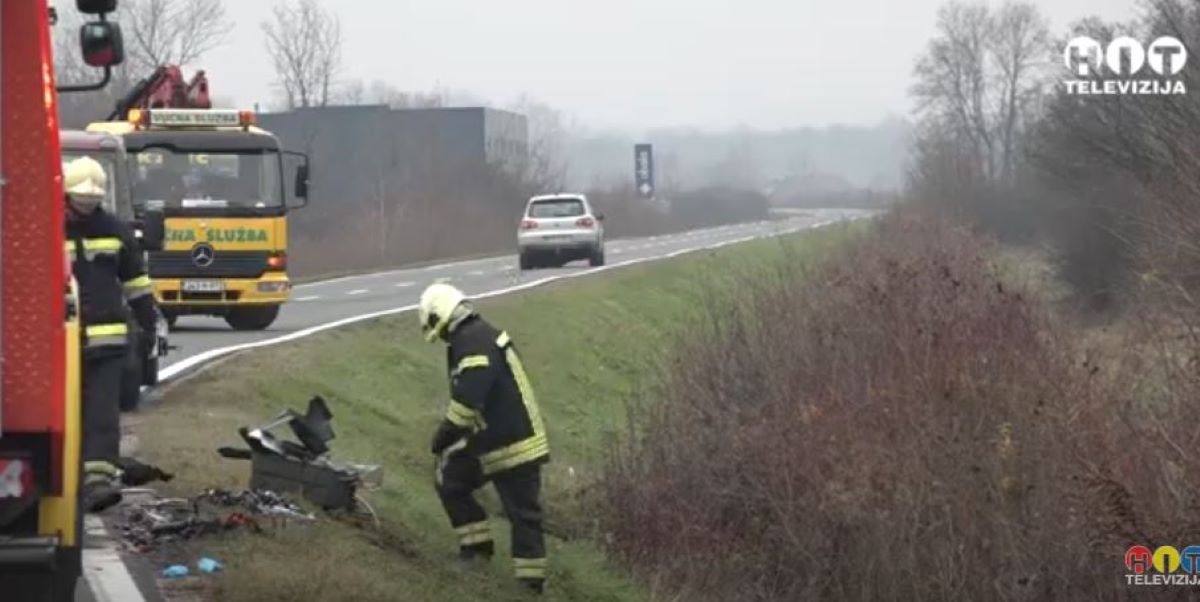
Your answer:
<point x="643" y="170"/>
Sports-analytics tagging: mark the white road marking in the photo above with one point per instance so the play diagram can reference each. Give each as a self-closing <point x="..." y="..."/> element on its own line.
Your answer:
<point x="476" y="273"/>
<point x="404" y="284"/>
<point x="309" y="298"/>
<point x="103" y="571"/>
<point x="357" y="291"/>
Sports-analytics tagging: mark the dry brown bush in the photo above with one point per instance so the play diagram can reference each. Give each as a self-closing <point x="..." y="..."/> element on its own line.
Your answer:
<point x="899" y="423"/>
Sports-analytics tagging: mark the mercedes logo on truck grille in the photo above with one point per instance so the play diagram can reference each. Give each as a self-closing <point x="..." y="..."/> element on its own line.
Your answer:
<point x="203" y="255"/>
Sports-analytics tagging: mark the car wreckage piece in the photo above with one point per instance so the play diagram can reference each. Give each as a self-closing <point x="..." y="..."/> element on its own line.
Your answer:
<point x="304" y="467"/>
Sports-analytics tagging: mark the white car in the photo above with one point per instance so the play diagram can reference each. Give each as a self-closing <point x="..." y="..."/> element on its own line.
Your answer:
<point x="558" y="228"/>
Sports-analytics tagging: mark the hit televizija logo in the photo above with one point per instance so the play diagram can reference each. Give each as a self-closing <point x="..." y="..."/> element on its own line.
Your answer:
<point x="1125" y="66"/>
<point x="1165" y="565"/>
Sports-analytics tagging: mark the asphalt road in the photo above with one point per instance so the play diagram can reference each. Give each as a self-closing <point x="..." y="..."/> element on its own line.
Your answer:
<point x="111" y="575"/>
<point x="318" y="303"/>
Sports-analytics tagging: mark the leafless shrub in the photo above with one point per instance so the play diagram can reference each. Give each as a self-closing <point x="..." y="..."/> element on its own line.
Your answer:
<point x="899" y="423"/>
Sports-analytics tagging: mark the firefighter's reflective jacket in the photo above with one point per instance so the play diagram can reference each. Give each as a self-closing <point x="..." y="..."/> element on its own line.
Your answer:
<point x="492" y="400"/>
<point x="111" y="275"/>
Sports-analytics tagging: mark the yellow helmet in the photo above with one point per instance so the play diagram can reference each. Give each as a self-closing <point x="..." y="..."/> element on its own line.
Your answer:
<point x="85" y="177"/>
<point x="437" y="309"/>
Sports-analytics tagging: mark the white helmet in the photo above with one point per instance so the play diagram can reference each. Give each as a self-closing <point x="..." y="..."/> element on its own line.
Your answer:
<point x="437" y="309"/>
<point x="85" y="177"/>
<point x="84" y="182"/>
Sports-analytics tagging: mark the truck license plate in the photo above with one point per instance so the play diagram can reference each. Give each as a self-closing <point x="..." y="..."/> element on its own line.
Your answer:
<point x="203" y="286"/>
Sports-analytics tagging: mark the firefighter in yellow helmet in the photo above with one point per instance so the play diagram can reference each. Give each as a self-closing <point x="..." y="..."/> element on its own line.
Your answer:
<point x="492" y="431"/>
<point x="107" y="263"/>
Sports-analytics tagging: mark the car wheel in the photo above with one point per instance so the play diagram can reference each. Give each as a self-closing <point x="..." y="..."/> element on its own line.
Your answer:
<point x="524" y="262"/>
<point x="597" y="257"/>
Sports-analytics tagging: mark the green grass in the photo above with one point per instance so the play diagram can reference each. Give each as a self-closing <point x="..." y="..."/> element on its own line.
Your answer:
<point x="589" y="344"/>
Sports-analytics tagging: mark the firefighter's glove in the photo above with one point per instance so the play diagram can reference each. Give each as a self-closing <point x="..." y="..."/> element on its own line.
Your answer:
<point x="445" y="436"/>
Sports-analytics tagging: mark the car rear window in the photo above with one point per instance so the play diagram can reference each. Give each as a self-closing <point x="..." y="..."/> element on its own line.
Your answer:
<point x="556" y="208"/>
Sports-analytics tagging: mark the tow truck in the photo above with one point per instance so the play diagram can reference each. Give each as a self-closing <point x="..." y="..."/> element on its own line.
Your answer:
<point x="219" y="180"/>
<point x="40" y="515"/>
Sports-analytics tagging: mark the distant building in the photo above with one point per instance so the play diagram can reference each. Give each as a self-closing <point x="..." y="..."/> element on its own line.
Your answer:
<point x="352" y="145"/>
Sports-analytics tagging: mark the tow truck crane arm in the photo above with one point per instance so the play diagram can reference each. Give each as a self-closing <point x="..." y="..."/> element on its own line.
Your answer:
<point x="165" y="88"/>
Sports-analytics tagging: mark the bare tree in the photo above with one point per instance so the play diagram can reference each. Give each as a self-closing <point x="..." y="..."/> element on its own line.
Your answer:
<point x="173" y="31"/>
<point x="305" y="43"/>
<point x="1020" y="45"/>
<point x="544" y="165"/>
<point x="979" y="77"/>
<point x="951" y="83"/>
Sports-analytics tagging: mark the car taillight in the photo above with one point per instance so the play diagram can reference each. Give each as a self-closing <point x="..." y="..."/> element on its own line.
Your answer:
<point x="277" y="261"/>
<point x="528" y="224"/>
<point x="16" y="478"/>
<point x="585" y="222"/>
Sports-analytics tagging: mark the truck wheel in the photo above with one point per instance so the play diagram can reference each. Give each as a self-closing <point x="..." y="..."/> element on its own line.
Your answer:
<point x="65" y="589"/>
<point x="66" y="583"/>
<point x="597" y="257"/>
<point x="252" y="318"/>
<point x="131" y="382"/>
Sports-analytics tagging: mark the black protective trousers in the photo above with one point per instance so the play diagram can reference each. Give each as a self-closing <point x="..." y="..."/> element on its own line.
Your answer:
<point x="519" y="490"/>
<point x="102" y="371"/>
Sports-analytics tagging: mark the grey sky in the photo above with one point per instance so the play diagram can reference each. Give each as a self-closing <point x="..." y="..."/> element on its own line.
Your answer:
<point x="634" y="63"/>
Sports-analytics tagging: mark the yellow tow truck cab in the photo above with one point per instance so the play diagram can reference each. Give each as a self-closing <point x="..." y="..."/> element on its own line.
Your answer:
<point x="219" y="181"/>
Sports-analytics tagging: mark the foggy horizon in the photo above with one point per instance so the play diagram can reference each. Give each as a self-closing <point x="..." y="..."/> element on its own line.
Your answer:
<point x="725" y="66"/>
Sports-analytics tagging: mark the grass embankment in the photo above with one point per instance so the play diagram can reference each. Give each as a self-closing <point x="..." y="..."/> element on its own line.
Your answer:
<point x="590" y="345"/>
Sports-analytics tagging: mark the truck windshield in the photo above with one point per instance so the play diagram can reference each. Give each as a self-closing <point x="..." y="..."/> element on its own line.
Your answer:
<point x="110" y="169"/>
<point x="186" y="182"/>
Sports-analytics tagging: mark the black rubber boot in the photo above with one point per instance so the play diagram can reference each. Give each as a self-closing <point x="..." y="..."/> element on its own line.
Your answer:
<point x="537" y="586"/>
<point x="476" y="554"/>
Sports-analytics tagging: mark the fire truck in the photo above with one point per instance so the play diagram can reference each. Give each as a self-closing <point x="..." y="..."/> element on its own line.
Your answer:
<point x="40" y="465"/>
<point x="220" y="181"/>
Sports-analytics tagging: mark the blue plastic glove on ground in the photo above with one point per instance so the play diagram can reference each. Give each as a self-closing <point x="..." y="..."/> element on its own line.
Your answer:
<point x="176" y="570"/>
<point x="208" y="565"/>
